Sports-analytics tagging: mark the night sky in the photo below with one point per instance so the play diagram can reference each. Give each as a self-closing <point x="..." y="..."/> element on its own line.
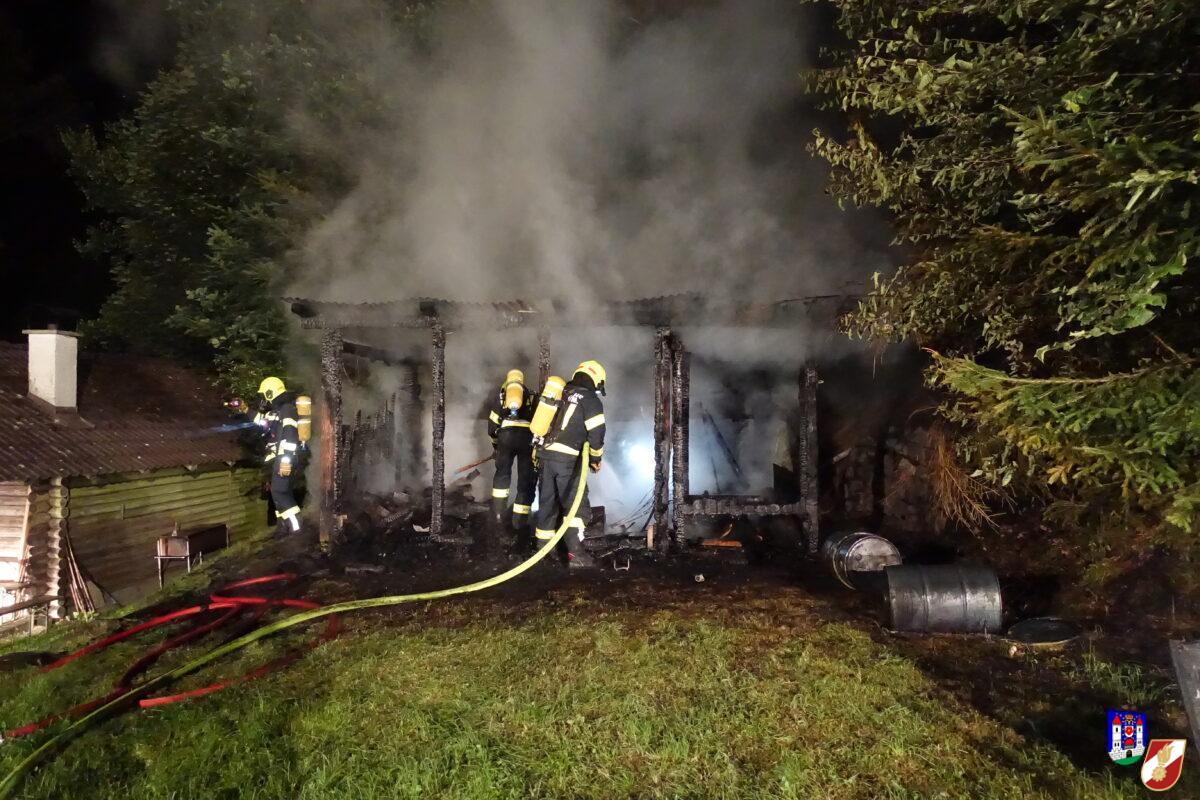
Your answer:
<point x="51" y="77"/>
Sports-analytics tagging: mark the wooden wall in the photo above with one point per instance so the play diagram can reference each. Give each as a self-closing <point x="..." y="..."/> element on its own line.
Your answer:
<point x="14" y="508"/>
<point x="113" y="522"/>
<point x="40" y="573"/>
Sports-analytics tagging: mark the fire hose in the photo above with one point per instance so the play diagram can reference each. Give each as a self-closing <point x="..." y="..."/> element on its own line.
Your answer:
<point x="230" y="607"/>
<point x="123" y="695"/>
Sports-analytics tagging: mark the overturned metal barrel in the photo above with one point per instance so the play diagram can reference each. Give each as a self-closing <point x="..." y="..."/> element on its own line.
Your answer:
<point x="858" y="558"/>
<point x="954" y="598"/>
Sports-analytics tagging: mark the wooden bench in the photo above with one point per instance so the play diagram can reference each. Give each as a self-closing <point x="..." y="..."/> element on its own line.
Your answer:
<point x="189" y="546"/>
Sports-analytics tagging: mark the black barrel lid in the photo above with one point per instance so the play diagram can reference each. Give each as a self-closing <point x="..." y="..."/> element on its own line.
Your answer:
<point x="1043" y="631"/>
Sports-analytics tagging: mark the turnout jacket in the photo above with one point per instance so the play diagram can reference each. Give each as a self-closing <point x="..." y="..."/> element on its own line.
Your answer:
<point x="580" y="419"/>
<point x="500" y="419"/>
<point x="282" y="423"/>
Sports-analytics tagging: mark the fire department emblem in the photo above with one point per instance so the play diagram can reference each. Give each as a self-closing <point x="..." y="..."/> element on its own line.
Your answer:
<point x="1163" y="764"/>
<point x="1126" y="736"/>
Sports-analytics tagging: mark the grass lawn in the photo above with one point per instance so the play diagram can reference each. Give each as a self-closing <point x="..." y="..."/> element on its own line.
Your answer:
<point x="566" y="696"/>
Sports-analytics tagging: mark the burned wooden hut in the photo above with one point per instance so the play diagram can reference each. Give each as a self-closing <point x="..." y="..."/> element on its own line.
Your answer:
<point x="352" y="333"/>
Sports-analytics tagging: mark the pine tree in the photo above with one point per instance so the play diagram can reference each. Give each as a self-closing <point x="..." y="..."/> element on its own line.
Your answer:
<point x="1041" y="160"/>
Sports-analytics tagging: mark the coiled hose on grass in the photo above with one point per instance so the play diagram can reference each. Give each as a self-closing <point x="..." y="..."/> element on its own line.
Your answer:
<point x="130" y="695"/>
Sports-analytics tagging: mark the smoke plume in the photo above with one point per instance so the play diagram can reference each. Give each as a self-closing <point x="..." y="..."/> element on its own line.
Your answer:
<point x="579" y="152"/>
<point x="575" y="152"/>
<point x="569" y="150"/>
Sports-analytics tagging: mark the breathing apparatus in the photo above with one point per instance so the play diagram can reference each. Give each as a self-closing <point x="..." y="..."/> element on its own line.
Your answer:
<point x="514" y="391"/>
<point x="304" y="418"/>
<point x="270" y="390"/>
<point x="547" y="407"/>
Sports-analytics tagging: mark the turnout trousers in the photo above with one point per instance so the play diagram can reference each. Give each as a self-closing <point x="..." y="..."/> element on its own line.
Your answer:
<point x="514" y="447"/>
<point x="287" y="510"/>
<point x="556" y="491"/>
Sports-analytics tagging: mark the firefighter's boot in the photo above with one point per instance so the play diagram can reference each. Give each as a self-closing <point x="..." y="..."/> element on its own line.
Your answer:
<point x="497" y="513"/>
<point x="523" y="543"/>
<point x="578" y="559"/>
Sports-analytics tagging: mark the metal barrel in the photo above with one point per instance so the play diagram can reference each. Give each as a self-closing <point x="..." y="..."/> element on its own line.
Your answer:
<point x="857" y="558"/>
<point x="954" y="598"/>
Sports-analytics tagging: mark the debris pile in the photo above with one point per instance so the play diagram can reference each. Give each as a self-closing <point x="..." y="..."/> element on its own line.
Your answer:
<point x="385" y="528"/>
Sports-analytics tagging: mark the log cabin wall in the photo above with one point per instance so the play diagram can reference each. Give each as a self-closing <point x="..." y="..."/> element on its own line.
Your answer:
<point x="113" y="522"/>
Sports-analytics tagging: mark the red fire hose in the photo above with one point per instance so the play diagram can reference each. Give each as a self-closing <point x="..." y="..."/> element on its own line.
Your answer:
<point x="231" y="607"/>
<point x="134" y="694"/>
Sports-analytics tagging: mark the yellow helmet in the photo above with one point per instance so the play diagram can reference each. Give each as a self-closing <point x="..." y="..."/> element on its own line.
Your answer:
<point x="514" y="376"/>
<point x="594" y="371"/>
<point x="271" y="388"/>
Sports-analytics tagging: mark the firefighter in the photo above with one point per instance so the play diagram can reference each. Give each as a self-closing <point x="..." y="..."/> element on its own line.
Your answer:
<point x="278" y="415"/>
<point x="508" y="428"/>
<point x="579" y="419"/>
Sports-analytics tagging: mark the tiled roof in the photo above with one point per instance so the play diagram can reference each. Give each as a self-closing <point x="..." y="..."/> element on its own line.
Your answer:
<point x="134" y="414"/>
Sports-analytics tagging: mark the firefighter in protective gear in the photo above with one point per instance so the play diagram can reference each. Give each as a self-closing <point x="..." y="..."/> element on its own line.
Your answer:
<point x="278" y="415"/>
<point x="580" y="418"/>
<point x="508" y="428"/>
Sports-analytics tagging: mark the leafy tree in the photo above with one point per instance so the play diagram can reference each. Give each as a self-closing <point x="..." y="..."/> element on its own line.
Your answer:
<point x="1041" y="160"/>
<point x="205" y="188"/>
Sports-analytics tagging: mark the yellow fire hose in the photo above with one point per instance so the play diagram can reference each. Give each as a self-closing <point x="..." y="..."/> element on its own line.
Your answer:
<point x="81" y="725"/>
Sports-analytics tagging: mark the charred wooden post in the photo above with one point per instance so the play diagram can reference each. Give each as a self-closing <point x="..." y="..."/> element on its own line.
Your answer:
<point x="662" y="443"/>
<point x="806" y="457"/>
<point x="415" y="421"/>
<point x="543" y="358"/>
<point x="330" y="428"/>
<point x="680" y="406"/>
<point x="438" y="473"/>
<point x="738" y="507"/>
<point x="399" y="417"/>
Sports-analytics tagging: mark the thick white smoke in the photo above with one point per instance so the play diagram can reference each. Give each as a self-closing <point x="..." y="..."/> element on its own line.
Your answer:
<point x="552" y="150"/>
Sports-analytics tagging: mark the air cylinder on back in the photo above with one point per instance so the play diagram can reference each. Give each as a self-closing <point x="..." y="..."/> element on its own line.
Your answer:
<point x="952" y="598"/>
<point x="304" y="423"/>
<point x="514" y="390"/>
<point x="547" y="406"/>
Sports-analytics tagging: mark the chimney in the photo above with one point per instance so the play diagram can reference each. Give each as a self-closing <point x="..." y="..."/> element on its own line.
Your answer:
<point x="53" y="367"/>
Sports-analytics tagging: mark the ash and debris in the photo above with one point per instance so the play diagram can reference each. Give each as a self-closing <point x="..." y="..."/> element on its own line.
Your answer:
<point x="388" y="541"/>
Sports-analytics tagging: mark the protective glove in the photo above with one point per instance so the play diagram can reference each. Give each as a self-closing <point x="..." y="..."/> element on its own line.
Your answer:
<point x="595" y="466"/>
<point x="285" y="467"/>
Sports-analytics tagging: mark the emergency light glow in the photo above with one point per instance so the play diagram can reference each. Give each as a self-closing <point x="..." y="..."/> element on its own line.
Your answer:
<point x="641" y="456"/>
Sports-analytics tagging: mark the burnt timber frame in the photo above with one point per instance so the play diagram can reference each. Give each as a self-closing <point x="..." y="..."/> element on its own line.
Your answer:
<point x="672" y="387"/>
<point x="438" y="522"/>
<point x="662" y="444"/>
<point x="671" y="394"/>
<point x="331" y="436"/>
